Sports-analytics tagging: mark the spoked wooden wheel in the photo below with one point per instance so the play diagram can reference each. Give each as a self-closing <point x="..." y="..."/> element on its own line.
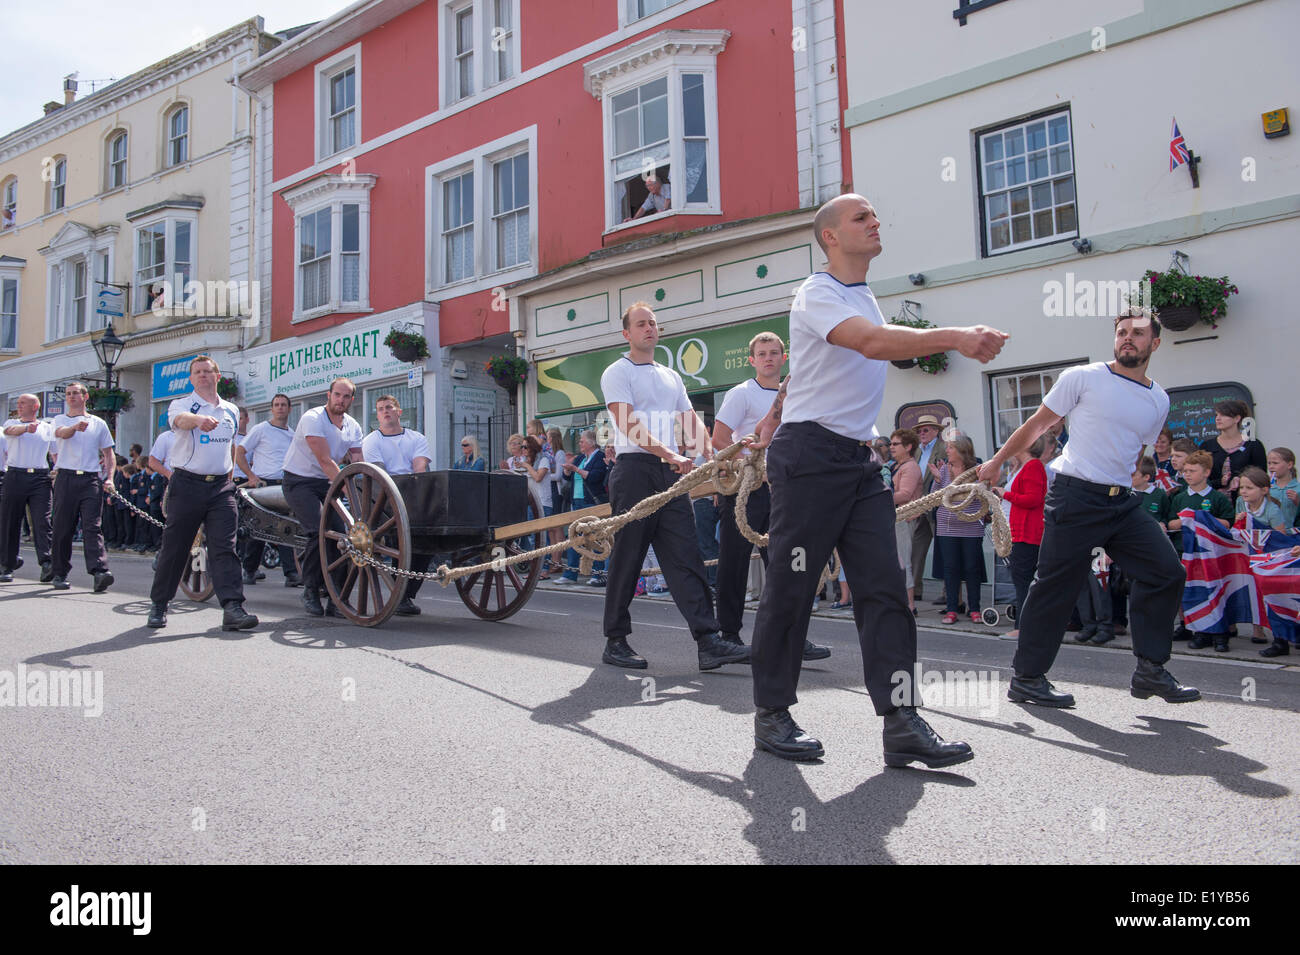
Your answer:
<point x="496" y="595"/>
<point x="364" y="512"/>
<point x="196" y="582"/>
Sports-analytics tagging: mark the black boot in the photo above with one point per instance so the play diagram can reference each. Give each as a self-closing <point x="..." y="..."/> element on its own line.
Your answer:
<point x="1279" y="648"/>
<point x="1152" y="679"/>
<point x="714" y="652"/>
<point x="778" y="733"/>
<point x="618" y="653"/>
<point x="311" y="602"/>
<point x="157" y="615"/>
<point x="235" y="617"/>
<point x="812" y="651"/>
<point x="908" y="738"/>
<point x="1037" y="689"/>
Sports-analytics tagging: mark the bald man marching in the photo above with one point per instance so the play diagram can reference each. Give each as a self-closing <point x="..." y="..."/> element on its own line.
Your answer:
<point x="827" y="493"/>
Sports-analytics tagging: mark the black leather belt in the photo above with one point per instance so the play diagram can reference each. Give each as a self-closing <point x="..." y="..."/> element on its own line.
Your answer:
<point x="15" y="468"/>
<point x="199" y="477"/>
<point x="1110" y="490"/>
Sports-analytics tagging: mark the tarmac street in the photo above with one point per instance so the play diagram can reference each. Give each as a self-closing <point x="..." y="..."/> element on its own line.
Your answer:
<point x="444" y="738"/>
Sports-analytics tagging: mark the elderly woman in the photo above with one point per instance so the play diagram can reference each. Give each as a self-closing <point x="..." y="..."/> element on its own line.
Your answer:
<point x="960" y="541"/>
<point x="907" y="488"/>
<point x="470" y="459"/>
<point x="587" y="465"/>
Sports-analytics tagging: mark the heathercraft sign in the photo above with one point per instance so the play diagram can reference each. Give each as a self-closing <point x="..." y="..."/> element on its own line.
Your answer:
<point x="306" y="366"/>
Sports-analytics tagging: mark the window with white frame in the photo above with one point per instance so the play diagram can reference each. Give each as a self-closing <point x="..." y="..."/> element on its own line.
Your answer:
<point x="482" y="215"/>
<point x="9" y="204"/>
<point x="1016" y="396"/>
<point x="116" y="156"/>
<point x="58" y="184"/>
<point x="178" y="136"/>
<point x="338" y="102"/>
<point x="640" y="9"/>
<point x="480" y="46"/>
<point x="1027" y="184"/>
<point x="8" y="311"/>
<point x="661" y="124"/>
<point x="164" y="263"/>
<point x="79" y="259"/>
<point x="332" y="244"/>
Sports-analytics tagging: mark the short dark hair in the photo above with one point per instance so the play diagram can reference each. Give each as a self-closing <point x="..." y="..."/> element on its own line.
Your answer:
<point x="281" y="394"/>
<point x="1232" y="407"/>
<point x="1147" y="467"/>
<point x="908" y="437"/>
<point x="1184" y="445"/>
<point x="1136" y="311"/>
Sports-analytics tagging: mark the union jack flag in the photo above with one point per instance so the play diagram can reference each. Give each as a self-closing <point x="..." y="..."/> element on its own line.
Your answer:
<point x="1165" y="481"/>
<point x="1177" y="149"/>
<point x="1245" y="575"/>
<point x="1220" y="588"/>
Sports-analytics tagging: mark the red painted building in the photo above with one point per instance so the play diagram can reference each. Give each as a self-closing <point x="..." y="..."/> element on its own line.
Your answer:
<point x="468" y="165"/>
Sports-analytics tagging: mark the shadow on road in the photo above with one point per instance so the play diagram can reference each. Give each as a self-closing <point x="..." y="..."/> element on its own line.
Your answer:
<point x="1162" y="748"/>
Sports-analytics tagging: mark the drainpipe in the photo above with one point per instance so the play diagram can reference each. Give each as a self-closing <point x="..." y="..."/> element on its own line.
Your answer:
<point x="259" y="198"/>
<point x="812" y="99"/>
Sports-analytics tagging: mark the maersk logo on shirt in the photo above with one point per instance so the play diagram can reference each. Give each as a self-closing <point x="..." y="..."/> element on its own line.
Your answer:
<point x="206" y="438"/>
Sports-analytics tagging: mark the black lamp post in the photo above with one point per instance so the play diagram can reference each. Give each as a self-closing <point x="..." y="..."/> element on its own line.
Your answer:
<point x="109" y="348"/>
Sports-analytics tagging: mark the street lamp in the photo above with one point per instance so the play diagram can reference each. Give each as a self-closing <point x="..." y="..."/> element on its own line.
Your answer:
<point x="109" y="348"/>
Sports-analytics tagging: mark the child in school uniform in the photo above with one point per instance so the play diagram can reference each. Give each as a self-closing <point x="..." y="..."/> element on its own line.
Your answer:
<point x="1284" y="486"/>
<point x="1199" y="496"/>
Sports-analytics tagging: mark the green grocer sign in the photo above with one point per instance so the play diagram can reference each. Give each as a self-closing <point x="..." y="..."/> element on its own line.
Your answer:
<point x="707" y="360"/>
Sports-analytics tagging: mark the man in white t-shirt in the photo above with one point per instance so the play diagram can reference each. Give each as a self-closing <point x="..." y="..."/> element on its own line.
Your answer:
<point x="84" y="467"/>
<point x="743" y="407"/>
<point x="399" y="450"/>
<point x="1115" y="412"/>
<point x="201" y="494"/>
<point x="261" y="456"/>
<point x="648" y="403"/>
<point x="324" y="437"/>
<point x="827" y="493"/>
<point x="27" y="443"/>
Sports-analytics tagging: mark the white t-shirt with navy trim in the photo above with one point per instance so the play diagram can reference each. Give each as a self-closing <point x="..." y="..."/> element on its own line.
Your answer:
<point x="81" y="451"/>
<point x="395" y="453"/>
<point x="316" y="423"/>
<point x="1112" y="420"/>
<point x="203" y="452"/>
<point x="655" y="392"/>
<point x="265" y="446"/>
<point x="162" y="448"/>
<point x="744" y="406"/>
<point x="837" y="388"/>
<point x="27" y="450"/>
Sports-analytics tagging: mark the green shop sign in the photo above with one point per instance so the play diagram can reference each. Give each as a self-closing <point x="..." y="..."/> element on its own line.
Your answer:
<point x="707" y="360"/>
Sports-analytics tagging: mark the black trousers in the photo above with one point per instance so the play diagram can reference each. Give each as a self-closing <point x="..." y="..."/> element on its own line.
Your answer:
<point x="191" y="502"/>
<point x="672" y="533"/>
<point x="24" y="490"/>
<point x="1080" y="516"/>
<point x="78" y="496"/>
<point x="734" y="552"/>
<point x="922" y="536"/>
<point x="1023" y="562"/>
<point x="827" y="494"/>
<point x="306" y="497"/>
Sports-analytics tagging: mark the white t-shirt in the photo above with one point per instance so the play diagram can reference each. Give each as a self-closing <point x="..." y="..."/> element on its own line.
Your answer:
<point x="162" y="448"/>
<point x="656" y="394"/>
<point x="395" y="453"/>
<point x="265" y="445"/>
<point x="837" y="388"/>
<point x="1112" y="418"/>
<point x="239" y="443"/>
<point x="203" y="452"/>
<point x="27" y="450"/>
<point x="81" y="451"/>
<point x="316" y="423"/>
<point x="744" y="406"/>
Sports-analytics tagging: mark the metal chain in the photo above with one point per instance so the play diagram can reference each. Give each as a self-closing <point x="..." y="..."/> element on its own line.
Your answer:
<point x="112" y="492"/>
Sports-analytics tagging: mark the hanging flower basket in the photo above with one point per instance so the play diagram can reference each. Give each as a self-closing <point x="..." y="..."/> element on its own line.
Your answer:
<point x="407" y="346"/>
<point x="227" y="387"/>
<point x="930" y="364"/>
<point x="1180" y="298"/>
<point x="109" y="400"/>
<point x="508" y="371"/>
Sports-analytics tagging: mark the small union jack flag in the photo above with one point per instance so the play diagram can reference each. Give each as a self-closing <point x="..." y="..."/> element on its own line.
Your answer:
<point x="1177" y="149"/>
<point x="1165" y="481"/>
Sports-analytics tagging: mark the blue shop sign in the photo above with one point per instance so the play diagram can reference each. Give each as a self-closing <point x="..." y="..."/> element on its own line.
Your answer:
<point x="171" y="378"/>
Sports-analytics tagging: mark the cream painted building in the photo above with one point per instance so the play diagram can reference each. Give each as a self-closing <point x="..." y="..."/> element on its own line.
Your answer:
<point x="991" y="148"/>
<point x="139" y="199"/>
